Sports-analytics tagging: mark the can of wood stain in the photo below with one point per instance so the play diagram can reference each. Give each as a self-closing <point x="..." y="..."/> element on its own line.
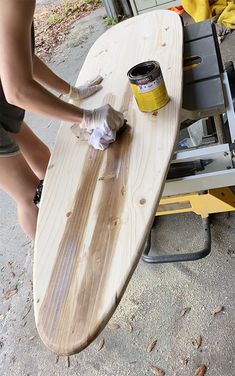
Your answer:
<point x="148" y="86"/>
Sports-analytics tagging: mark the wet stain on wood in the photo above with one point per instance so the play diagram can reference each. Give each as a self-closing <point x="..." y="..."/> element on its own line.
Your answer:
<point x="58" y="298"/>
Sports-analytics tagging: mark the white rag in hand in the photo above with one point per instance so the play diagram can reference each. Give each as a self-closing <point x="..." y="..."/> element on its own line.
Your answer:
<point x="101" y="125"/>
<point x="102" y="136"/>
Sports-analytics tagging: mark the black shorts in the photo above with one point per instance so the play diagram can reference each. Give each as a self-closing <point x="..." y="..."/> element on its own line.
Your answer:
<point x="11" y="118"/>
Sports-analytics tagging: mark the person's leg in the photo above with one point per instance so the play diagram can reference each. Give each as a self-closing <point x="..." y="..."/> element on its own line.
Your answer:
<point x="19" y="181"/>
<point x="33" y="149"/>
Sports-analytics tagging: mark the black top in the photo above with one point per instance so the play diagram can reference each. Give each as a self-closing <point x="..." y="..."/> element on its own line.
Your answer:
<point x="12" y="116"/>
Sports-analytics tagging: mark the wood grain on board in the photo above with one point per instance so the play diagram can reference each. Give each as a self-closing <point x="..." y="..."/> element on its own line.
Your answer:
<point x="97" y="207"/>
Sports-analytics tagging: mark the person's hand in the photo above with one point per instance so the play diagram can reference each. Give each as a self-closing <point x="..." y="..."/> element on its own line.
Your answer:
<point x="86" y="90"/>
<point x="105" y="117"/>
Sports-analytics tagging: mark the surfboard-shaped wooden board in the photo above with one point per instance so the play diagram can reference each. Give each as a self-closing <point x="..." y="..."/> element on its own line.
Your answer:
<point x="97" y="207"/>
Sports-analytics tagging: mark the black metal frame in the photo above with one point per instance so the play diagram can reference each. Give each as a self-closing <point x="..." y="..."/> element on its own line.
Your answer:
<point x="179" y="257"/>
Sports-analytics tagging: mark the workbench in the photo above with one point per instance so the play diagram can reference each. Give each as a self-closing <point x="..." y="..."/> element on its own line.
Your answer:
<point x="198" y="174"/>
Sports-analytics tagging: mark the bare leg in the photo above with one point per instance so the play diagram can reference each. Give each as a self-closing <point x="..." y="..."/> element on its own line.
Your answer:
<point x="33" y="149"/>
<point x="20" y="182"/>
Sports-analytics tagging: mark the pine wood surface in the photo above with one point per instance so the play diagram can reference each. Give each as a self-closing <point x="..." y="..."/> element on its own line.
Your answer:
<point x="97" y="207"/>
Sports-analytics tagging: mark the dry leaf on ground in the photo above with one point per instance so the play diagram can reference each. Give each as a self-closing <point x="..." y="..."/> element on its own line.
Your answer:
<point x="197" y="342"/>
<point x="157" y="371"/>
<point x="9" y="293"/>
<point x="231" y="253"/>
<point x="152" y="345"/>
<point x="113" y="326"/>
<point x="129" y="326"/>
<point x="185" y="311"/>
<point x="201" y="371"/>
<point x="217" y="309"/>
<point x="184" y="361"/>
<point x="101" y="344"/>
<point x="27" y="312"/>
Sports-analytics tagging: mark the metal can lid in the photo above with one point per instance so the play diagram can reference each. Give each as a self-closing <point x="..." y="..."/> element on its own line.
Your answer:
<point x="147" y="70"/>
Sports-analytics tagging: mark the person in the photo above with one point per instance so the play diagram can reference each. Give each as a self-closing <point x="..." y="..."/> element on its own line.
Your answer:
<point x="23" y="78"/>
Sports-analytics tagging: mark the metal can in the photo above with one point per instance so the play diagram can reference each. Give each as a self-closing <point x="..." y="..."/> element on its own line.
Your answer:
<point x="148" y="86"/>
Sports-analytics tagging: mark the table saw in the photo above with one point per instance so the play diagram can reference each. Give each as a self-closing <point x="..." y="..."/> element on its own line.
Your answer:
<point x="202" y="173"/>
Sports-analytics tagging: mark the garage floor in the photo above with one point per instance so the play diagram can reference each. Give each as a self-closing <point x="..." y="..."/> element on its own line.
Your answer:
<point x="174" y="304"/>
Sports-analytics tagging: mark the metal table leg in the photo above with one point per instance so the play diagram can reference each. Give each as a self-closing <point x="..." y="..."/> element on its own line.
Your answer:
<point x="182" y="256"/>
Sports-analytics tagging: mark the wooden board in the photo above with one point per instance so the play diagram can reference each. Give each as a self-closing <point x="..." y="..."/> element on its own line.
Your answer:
<point x="97" y="207"/>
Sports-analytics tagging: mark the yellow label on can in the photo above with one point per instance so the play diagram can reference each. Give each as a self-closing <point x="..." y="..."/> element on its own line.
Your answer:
<point x="151" y="96"/>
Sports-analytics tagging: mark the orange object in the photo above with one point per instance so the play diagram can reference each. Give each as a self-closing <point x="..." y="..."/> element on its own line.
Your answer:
<point x="178" y="9"/>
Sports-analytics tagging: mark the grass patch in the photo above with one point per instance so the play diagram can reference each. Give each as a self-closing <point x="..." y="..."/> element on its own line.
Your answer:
<point x="54" y="19"/>
<point x="110" y="21"/>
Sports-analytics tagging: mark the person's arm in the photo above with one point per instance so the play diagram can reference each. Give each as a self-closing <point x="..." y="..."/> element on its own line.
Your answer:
<point x="43" y="74"/>
<point x="16" y="70"/>
<point x="17" y="77"/>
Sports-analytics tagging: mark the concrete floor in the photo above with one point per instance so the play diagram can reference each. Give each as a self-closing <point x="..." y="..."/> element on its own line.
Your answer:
<point x="155" y="297"/>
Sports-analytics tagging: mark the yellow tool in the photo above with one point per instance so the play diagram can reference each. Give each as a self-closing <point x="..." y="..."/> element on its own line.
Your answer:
<point x="212" y="201"/>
